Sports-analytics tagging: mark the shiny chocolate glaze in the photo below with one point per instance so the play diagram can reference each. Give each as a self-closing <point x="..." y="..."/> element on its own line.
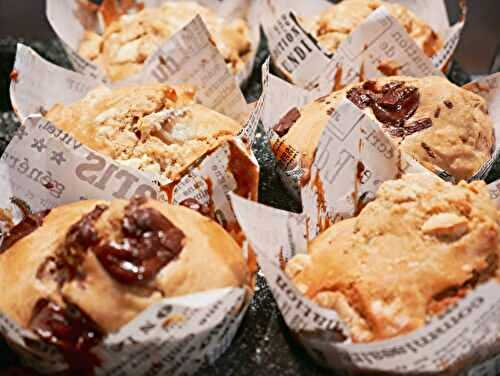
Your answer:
<point x="29" y="224"/>
<point x="150" y="241"/>
<point x="392" y="105"/>
<point x="71" y="330"/>
<point x="287" y="121"/>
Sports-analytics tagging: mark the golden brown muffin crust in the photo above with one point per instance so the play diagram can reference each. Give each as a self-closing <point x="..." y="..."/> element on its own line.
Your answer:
<point x="420" y="246"/>
<point x="335" y="24"/>
<point x="127" y="42"/>
<point x="156" y="128"/>
<point x="442" y="126"/>
<point x="114" y="259"/>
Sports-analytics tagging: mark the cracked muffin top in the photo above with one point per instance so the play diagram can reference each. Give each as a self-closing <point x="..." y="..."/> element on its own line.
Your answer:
<point x="108" y="261"/>
<point x="128" y="41"/>
<point x="156" y="128"/>
<point x="334" y="24"/>
<point x="413" y="251"/>
<point x="442" y="126"/>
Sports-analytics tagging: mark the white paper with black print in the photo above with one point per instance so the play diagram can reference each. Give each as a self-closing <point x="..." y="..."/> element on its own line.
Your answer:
<point x="348" y="129"/>
<point x="391" y="49"/>
<point x="175" y="336"/>
<point x="467" y="335"/>
<point x="494" y="189"/>
<point x="71" y="18"/>
<point x="248" y="132"/>
<point x="352" y="159"/>
<point x="488" y="87"/>
<point x="40" y="84"/>
<point x="378" y="46"/>
<point x="212" y="179"/>
<point x="44" y="167"/>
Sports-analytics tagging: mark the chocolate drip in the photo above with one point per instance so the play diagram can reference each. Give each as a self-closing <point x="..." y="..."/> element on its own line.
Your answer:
<point x="83" y="234"/>
<point x="195" y="205"/>
<point x="29" y="224"/>
<point x="150" y="241"/>
<point x="71" y="330"/>
<point x="287" y="121"/>
<point x="392" y="105"/>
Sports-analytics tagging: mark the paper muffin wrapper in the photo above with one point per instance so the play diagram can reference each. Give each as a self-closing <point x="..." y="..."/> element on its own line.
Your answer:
<point x="458" y="341"/>
<point x="280" y="96"/>
<point x="463" y="340"/>
<point x="175" y="336"/>
<point x="44" y="167"/>
<point x="188" y="57"/>
<point x="70" y="20"/>
<point x="378" y="46"/>
<point x="39" y="85"/>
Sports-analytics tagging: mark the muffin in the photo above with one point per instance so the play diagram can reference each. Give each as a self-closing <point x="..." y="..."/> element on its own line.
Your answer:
<point x="79" y="272"/>
<point x="128" y="41"/>
<point x="420" y="246"/>
<point x="156" y="128"/>
<point x="334" y="24"/>
<point x="442" y="126"/>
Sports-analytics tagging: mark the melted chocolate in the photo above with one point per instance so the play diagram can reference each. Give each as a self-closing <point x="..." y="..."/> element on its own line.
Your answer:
<point x="65" y="265"/>
<point x="195" y="205"/>
<point x="29" y="224"/>
<point x="287" y="121"/>
<point x="82" y="233"/>
<point x="71" y="330"/>
<point x="392" y="105"/>
<point x="150" y="241"/>
<point x="428" y="150"/>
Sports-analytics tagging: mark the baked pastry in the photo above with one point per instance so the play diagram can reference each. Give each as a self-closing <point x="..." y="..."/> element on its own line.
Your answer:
<point x="128" y="41"/>
<point x="81" y="271"/>
<point x="421" y="245"/>
<point x="156" y="128"/>
<point x="442" y="126"/>
<point x="333" y="25"/>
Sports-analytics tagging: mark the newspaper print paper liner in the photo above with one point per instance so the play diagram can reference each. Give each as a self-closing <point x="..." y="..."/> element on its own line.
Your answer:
<point x="280" y="96"/>
<point x="45" y="167"/>
<point x="40" y="84"/>
<point x="187" y="58"/>
<point x="71" y="18"/>
<point x="175" y="336"/>
<point x="466" y="335"/>
<point x="378" y="46"/>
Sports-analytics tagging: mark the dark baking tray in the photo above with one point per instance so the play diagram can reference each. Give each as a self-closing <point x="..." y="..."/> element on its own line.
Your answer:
<point x="263" y="345"/>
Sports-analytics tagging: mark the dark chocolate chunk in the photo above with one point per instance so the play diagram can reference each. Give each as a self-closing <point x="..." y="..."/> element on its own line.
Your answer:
<point x="150" y="241"/>
<point x="448" y="104"/>
<point x="193" y="204"/>
<point x="391" y="105"/>
<point x="29" y="224"/>
<point x="66" y="263"/>
<point x="418" y="126"/>
<point x="360" y="97"/>
<point x="82" y="233"/>
<point x="287" y="121"/>
<point x="71" y="330"/>
<point x="428" y="150"/>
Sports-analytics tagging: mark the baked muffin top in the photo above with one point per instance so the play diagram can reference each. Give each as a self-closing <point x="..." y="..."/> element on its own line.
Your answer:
<point x="442" y="126"/>
<point x="417" y="248"/>
<point x="127" y="42"/>
<point x="334" y="24"/>
<point x="156" y="128"/>
<point x="111" y="260"/>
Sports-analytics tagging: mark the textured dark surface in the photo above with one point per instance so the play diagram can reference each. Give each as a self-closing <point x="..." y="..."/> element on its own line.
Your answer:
<point x="262" y="345"/>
